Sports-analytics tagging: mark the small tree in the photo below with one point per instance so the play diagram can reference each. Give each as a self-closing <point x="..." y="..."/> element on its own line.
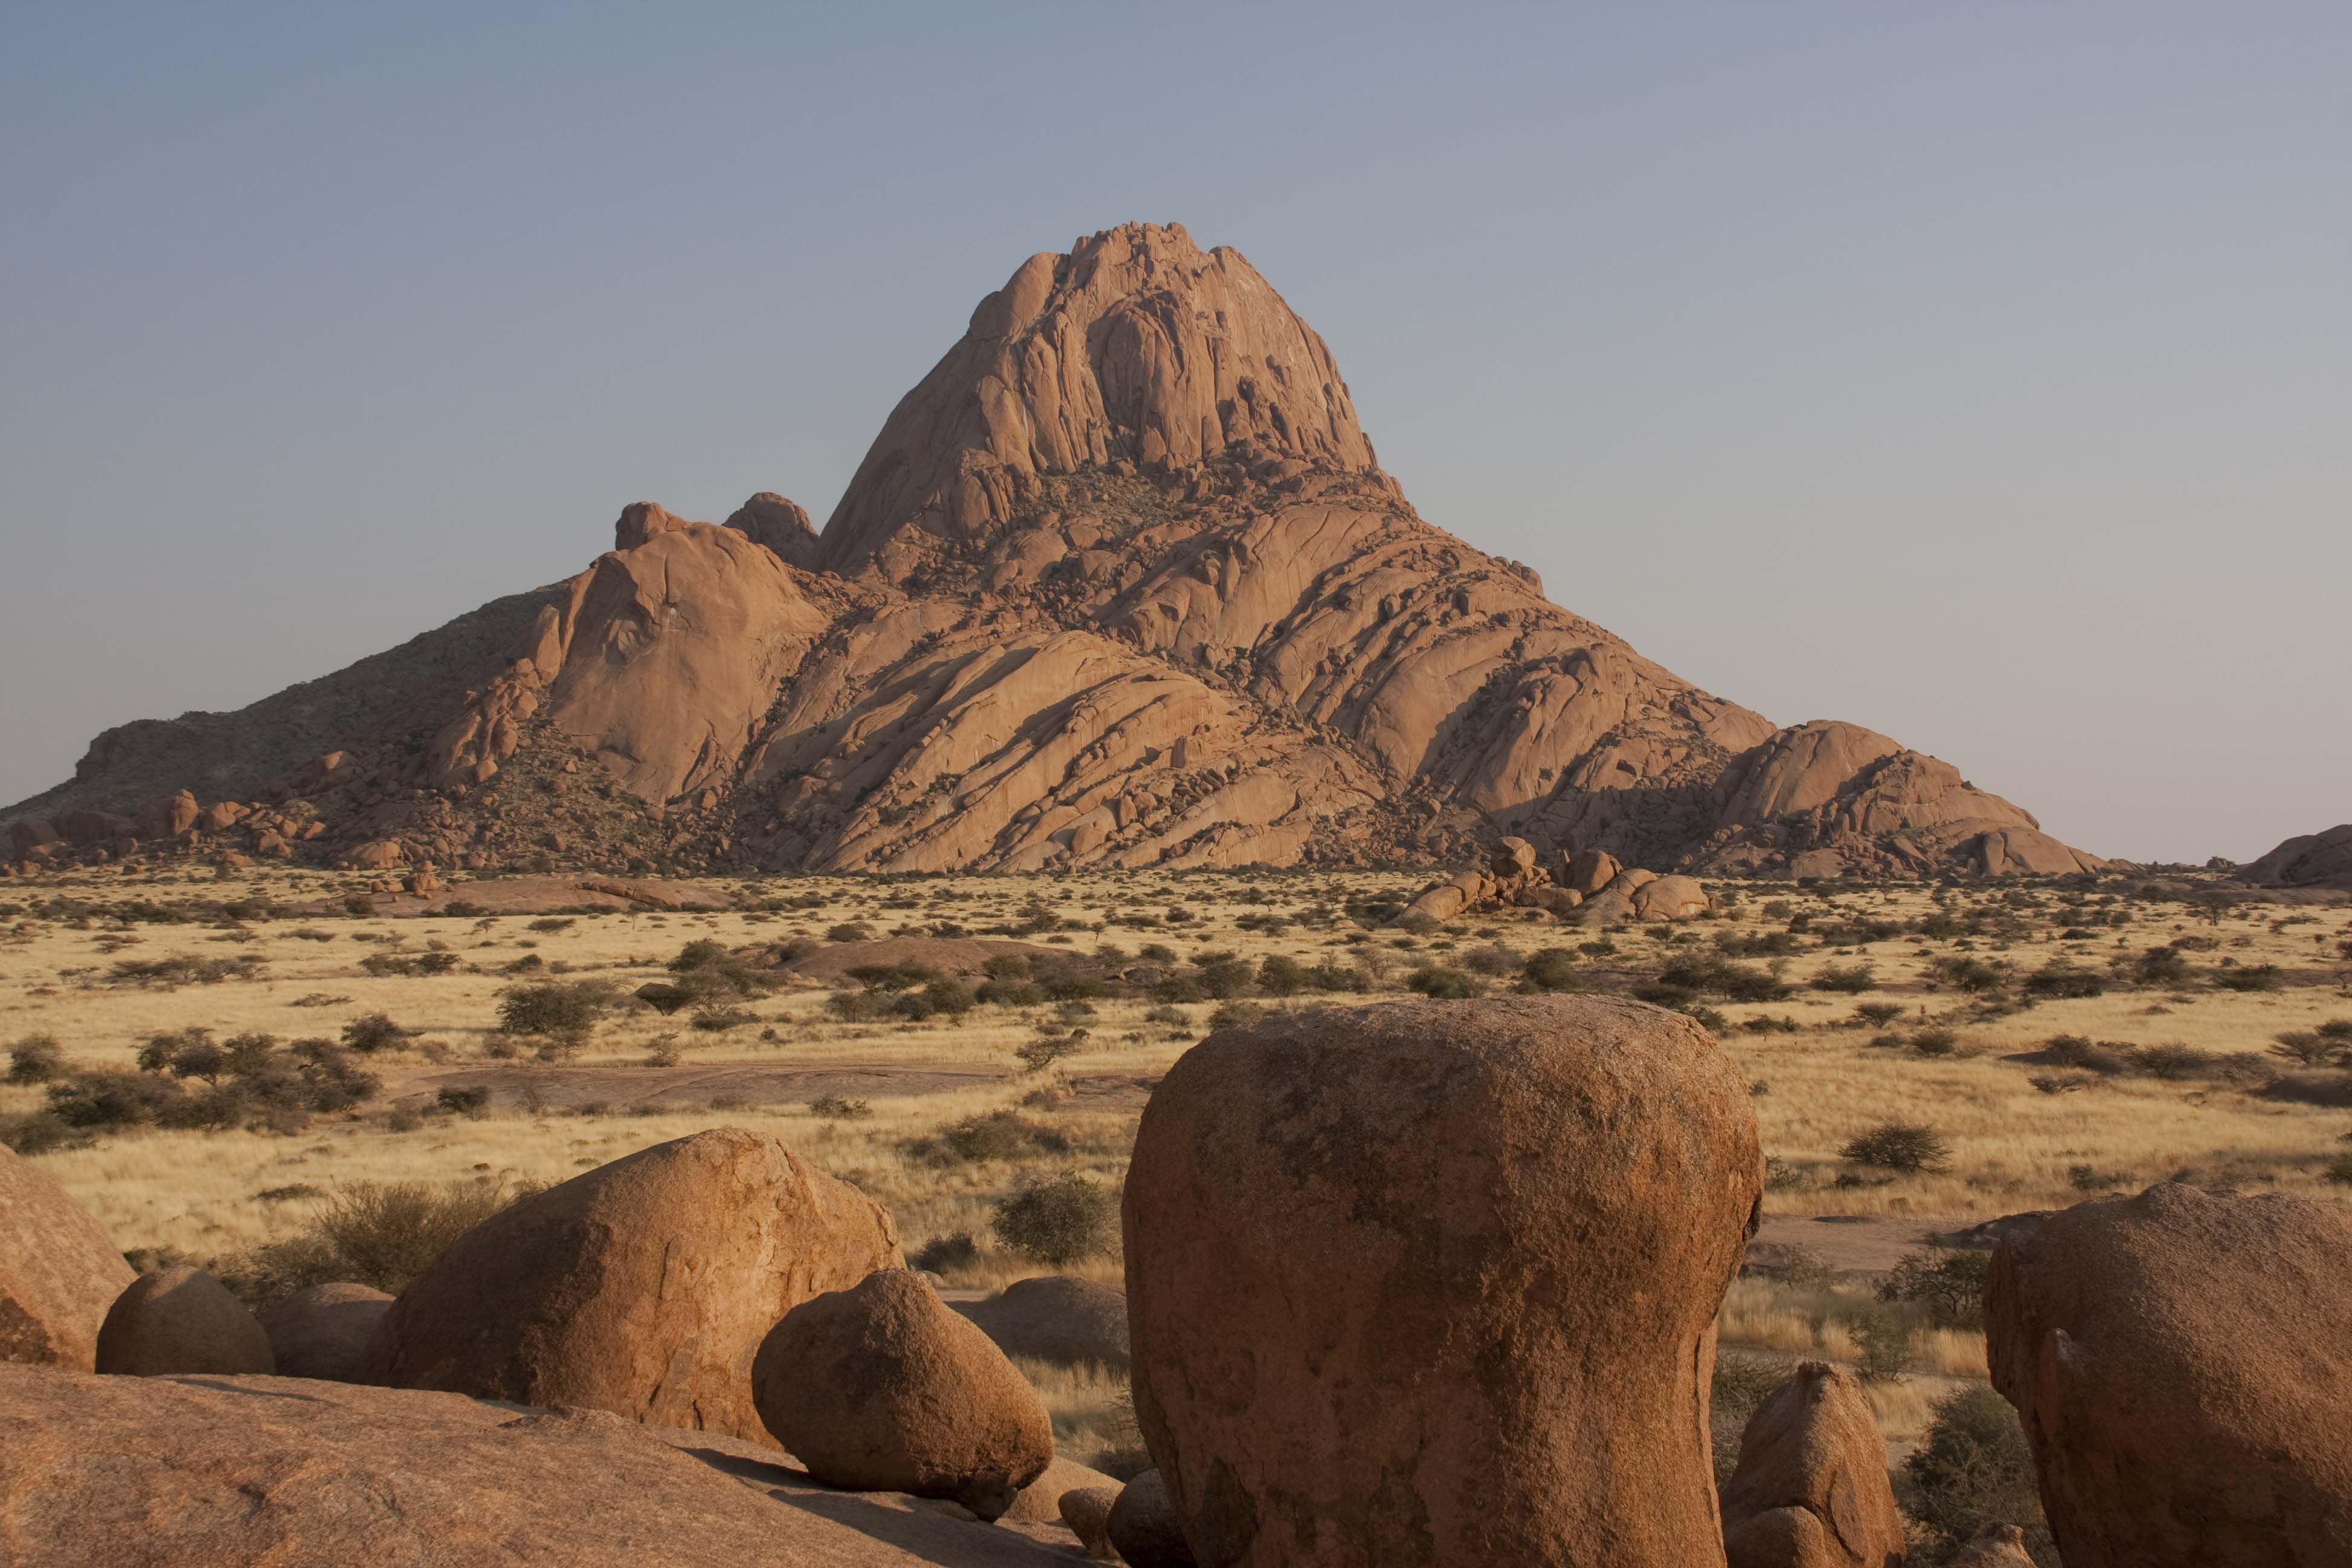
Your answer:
<point x="1907" y="1146"/>
<point x="1058" y="1220"/>
<point x="372" y="1032"/>
<point x="36" y="1058"/>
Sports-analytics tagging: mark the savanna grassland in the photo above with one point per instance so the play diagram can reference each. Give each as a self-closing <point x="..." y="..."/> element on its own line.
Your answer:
<point x="215" y="1066"/>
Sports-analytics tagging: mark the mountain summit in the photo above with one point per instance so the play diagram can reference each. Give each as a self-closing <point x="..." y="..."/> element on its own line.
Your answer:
<point x="1121" y="583"/>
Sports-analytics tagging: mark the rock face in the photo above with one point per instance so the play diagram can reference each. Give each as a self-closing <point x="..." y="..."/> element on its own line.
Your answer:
<point x="643" y="1286"/>
<point x="2313" y="861"/>
<point x="58" y="1273"/>
<point x="1120" y="583"/>
<point x="1056" y="1319"/>
<point x="324" y="1332"/>
<point x="1435" y="1282"/>
<point x="181" y="1320"/>
<point x="265" y="1472"/>
<point x="1810" y="1489"/>
<point x="881" y="1388"/>
<point x="2182" y="1364"/>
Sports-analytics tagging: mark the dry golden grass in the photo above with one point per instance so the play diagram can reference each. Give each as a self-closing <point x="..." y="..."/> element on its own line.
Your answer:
<point x="2014" y="1147"/>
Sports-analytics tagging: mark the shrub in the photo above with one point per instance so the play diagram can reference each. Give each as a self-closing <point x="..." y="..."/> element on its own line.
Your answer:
<point x="1333" y="975"/>
<point x="1553" y="968"/>
<point x="1905" y="1146"/>
<point x="372" y="1032"/>
<point x="1851" y="981"/>
<point x="2161" y="966"/>
<point x="1972" y="976"/>
<point x="2060" y="981"/>
<point x="1883" y="1340"/>
<point x="849" y="931"/>
<point x="855" y="1006"/>
<point x="1934" y="1042"/>
<point x="952" y="998"/>
<point x="383" y="1234"/>
<point x="833" y="1108"/>
<point x="942" y="1253"/>
<point x="1741" y="1383"/>
<point x="1949" y="1284"/>
<point x="999" y="1135"/>
<point x="471" y="1101"/>
<point x="1043" y="1052"/>
<point x="37" y="1133"/>
<point x="2339" y="1170"/>
<point x="553" y="1010"/>
<point x="2171" y="1061"/>
<point x="1494" y="961"/>
<point x="1058" y="1220"/>
<point x="1279" y="975"/>
<point x="2253" y="977"/>
<point x="36" y="1058"/>
<point x="1972" y="1470"/>
<point x="663" y="1051"/>
<point x="1878" y="1015"/>
<point x="1440" y="983"/>
<point x="1233" y="1014"/>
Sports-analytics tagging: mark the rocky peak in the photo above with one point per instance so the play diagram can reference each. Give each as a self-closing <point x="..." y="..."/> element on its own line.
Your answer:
<point x="1136" y="350"/>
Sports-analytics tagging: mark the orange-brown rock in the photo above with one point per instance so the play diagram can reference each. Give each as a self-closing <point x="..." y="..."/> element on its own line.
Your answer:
<point x="1039" y="1503"/>
<point x="58" y="1273"/>
<point x="180" y="1320"/>
<point x="1810" y="1489"/>
<point x="2182" y="1363"/>
<point x="1995" y="1546"/>
<point x="881" y="1388"/>
<point x="270" y="1472"/>
<point x="1144" y="1527"/>
<point x="170" y="817"/>
<point x="1085" y="1512"/>
<point x="644" y="1287"/>
<point x="2312" y="861"/>
<point x="1056" y="1318"/>
<point x="1436" y="1282"/>
<point x="28" y="834"/>
<point x="325" y="1332"/>
<point x="1589" y="871"/>
<point x="1120" y="583"/>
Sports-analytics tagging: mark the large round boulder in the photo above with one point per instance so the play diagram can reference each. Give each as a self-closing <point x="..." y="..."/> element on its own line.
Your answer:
<point x="179" y="1321"/>
<point x="1811" y="1489"/>
<point x="1435" y="1282"/>
<point x="1671" y="898"/>
<point x="2182" y="1364"/>
<point x="643" y="1286"/>
<point x="881" y="1388"/>
<point x="58" y="1273"/>
<point x="1056" y="1318"/>
<point x="324" y="1332"/>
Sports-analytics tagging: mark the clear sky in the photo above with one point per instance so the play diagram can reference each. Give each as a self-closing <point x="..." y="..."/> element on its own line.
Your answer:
<point x="1981" y="373"/>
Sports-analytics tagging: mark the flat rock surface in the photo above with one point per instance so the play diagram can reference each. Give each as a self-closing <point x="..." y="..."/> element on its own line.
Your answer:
<point x="134" y="1472"/>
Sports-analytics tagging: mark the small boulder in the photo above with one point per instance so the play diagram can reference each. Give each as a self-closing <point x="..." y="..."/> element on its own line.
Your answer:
<point x="1512" y="859"/>
<point x="1671" y="898"/>
<point x="180" y="1320"/>
<point x="1437" y="1282"/>
<point x="379" y="855"/>
<point x="1144" y="1527"/>
<point x="1056" y="1319"/>
<point x="1039" y="1503"/>
<point x="1810" y="1489"/>
<point x="59" y="1271"/>
<point x="1995" y="1546"/>
<point x="643" y="1286"/>
<point x="1588" y="872"/>
<point x="324" y="1332"/>
<point x="1087" y="1514"/>
<point x="2182" y="1364"/>
<point x="881" y="1388"/>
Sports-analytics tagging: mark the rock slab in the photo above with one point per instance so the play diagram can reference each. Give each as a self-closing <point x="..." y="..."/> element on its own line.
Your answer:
<point x="1436" y="1283"/>
<point x="2182" y="1363"/>
<point x="643" y="1286"/>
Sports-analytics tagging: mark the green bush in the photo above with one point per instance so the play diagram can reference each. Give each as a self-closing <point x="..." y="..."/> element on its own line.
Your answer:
<point x="383" y="1234"/>
<point x="558" y="1011"/>
<point x="2253" y="977"/>
<point x="942" y="1253"/>
<point x="2058" y="981"/>
<point x="1851" y="981"/>
<point x="1973" y="1468"/>
<point x="1279" y="975"/>
<point x="372" y="1032"/>
<point x="1905" y="1146"/>
<point x="1440" y="983"/>
<point x="1949" y="1285"/>
<point x="1059" y="1220"/>
<point x="1552" y="969"/>
<point x="999" y="1135"/>
<point x="36" y="1058"/>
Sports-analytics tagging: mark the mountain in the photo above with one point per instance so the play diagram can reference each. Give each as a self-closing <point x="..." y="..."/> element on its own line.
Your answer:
<point x="1120" y="583"/>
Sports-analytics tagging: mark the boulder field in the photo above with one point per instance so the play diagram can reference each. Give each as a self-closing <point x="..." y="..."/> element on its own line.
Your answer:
<point x="1120" y="583"/>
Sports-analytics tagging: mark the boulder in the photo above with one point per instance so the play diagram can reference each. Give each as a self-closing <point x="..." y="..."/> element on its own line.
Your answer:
<point x="1039" y="1503"/>
<point x="59" y="1271"/>
<point x="1995" y="1546"/>
<point x="1056" y="1319"/>
<point x="169" y="817"/>
<point x="2182" y="1363"/>
<point x="1589" y="871"/>
<point x="1670" y="899"/>
<point x="87" y="828"/>
<point x="643" y="1286"/>
<point x="1436" y="1282"/>
<point x="1512" y="859"/>
<point x="379" y="855"/>
<point x="881" y="1388"/>
<point x="267" y="1472"/>
<point x="2309" y="860"/>
<point x="1810" y="1489"/>
<point x="1085" y="1512"/>
<point x="641" y="521"/>
<point x="181" y="1320"/>
<point x="324" y="1332"/>
<point x="220" y="816"/>
<point x="1144" y="1527"/>
<point x="28" y="834"/>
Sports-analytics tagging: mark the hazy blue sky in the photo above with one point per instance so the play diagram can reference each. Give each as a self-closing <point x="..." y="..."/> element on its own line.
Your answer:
<point x="1979" y="372"/>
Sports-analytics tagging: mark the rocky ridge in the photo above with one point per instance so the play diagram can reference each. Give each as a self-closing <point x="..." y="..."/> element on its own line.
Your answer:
<point x="1120" y="583"/>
